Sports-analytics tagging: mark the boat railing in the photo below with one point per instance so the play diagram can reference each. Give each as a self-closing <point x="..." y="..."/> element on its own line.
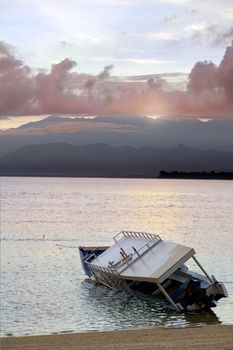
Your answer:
<point x="109" y="270"/>
<point x="128" y="259"/>
<point x="138" y="253"/>
<point x="136" y="234"/>
<point x="89" y="257"/>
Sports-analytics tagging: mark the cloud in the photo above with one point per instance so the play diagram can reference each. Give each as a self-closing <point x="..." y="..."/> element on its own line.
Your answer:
<point x="192" y="12"/>
<point x="15" y="82"/>
<point x="225" y="73"/>
<point x="209" y="91"/>
<point x="155" y="36"/>
<point x="129" y="60"/>
<point x="212" y="34"/>
<point x="223" y="36"/>
<point x="106" y="72"/>
<point x="170" y="19"/>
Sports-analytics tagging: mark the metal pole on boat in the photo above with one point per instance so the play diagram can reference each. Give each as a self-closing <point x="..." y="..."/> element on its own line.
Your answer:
<point x="167" y="296"/>
<point x="202" y="268"/>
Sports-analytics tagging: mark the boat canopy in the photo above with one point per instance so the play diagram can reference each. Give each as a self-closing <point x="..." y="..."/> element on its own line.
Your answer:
<point x="142" y="256"/>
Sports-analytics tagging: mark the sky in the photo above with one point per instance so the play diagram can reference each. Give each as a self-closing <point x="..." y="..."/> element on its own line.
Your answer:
<point x="87" y="56"/>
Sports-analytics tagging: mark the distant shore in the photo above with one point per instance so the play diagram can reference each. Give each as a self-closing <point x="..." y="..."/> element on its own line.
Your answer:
<point x="201" y="338"/>
<point x="163" y="175"/>
<point x="203" y="175"/>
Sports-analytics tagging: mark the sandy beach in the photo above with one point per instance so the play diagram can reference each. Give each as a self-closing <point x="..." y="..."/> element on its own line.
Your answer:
<point x="206" y="337"/>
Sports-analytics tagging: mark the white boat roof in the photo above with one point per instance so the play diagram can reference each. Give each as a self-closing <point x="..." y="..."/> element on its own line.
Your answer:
<point x="142" y="256"/>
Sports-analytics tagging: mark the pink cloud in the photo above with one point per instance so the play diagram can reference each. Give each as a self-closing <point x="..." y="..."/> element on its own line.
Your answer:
<point x="209" y="91"/>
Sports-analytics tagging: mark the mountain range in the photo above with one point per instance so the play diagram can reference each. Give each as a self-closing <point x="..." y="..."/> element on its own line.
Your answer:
<point x="63" y="159"/>
<point x="119" y="131"/>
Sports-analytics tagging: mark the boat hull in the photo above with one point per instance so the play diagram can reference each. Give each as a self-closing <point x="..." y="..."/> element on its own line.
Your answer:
<point x="184" y="289"/>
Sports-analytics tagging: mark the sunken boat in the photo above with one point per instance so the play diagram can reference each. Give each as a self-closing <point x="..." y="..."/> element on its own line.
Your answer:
<point x="143" y="262"/>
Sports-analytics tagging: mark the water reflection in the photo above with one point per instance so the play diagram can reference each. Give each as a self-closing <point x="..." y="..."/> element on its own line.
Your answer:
<point x="119" y="308"/>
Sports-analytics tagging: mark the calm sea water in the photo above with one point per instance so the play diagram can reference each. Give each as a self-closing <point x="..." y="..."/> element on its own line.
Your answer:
<point x="43" y="286"/>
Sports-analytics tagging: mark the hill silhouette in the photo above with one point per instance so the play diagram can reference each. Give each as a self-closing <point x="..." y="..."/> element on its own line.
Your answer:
<point x="122" y="131"/>
<point x="62" y="159"/>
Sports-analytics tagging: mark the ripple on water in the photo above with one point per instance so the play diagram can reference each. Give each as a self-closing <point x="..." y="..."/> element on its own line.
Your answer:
<point x="43" y="285"/>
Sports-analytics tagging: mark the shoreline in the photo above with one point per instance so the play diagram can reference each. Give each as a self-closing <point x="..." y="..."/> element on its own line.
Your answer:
<point x="201" y="337"/>
<point x="228" y="178"/>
